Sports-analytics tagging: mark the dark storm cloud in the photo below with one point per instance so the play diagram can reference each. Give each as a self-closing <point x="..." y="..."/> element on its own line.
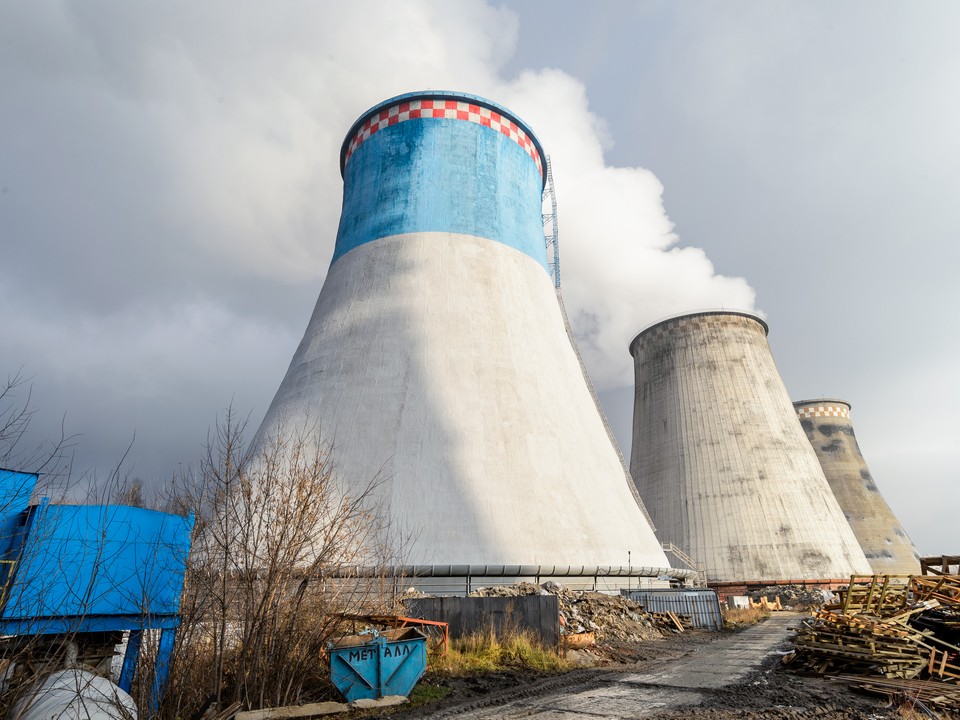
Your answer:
<point x="169" y="192"/>
<point x="172" y="195"/>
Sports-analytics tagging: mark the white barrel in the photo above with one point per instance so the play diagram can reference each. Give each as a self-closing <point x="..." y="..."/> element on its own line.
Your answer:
<point x="75" y="695"/>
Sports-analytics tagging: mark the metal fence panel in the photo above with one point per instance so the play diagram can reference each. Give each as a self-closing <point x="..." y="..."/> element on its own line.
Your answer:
<point x="703" y="606"/>
<point x="539" y="614"/>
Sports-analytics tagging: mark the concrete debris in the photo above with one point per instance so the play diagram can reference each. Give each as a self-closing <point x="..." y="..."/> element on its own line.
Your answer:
<point x="793" y="597"/>
<point x="294" y="711"/>
<point x="385" y="701"/>
<point x="582" y="658"/>
<point x="608" y="617"/>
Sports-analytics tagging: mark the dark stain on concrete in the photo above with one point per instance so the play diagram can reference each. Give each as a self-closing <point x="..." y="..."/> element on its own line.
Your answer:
<point x="831" y="429"/>
<point x="832" y="446"/>
<point x="814" y="560"/>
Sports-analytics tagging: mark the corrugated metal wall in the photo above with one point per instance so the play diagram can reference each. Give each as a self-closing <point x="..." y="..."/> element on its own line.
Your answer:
<point x="703" y="606"/>
<point x="537" y="613"/>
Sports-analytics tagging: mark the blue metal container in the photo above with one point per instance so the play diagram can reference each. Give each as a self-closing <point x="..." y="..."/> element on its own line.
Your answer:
<point x="68" y="569"/>
<point x="388" y="662"/>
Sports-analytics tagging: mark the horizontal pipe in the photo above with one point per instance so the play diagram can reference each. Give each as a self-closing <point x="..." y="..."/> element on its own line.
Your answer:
<point x="395" y="571"/>
<point x="785" y="581"/>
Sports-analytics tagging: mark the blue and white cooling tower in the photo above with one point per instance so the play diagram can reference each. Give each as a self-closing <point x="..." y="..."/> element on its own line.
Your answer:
<point x="438" y="358"/>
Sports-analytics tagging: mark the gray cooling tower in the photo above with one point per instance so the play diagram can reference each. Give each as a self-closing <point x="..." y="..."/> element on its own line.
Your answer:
<point x="721" y="462"/>
<point x="437" y="356"/>
<point x="884" y="542"/>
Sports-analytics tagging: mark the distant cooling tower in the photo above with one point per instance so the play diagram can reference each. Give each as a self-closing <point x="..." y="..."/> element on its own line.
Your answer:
<point x="437" y="355"/>
<point x="884" y="542"/>
<point x="722" y="463"/>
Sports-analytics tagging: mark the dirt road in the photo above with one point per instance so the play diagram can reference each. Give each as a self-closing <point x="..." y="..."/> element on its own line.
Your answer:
<point x="704" y="677"/>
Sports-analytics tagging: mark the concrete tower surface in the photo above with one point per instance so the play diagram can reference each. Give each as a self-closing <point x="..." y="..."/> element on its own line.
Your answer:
<point x="829" y="429"/>
<point x="722" y="463"/>
<point x="437" y="357"/>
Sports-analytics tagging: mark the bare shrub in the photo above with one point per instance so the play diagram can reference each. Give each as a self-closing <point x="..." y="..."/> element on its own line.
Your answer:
<point x="257" y="606"/>
<point x="18" y="451"/>
<point x="274" y="530"/>
<point x="24" y="659"/>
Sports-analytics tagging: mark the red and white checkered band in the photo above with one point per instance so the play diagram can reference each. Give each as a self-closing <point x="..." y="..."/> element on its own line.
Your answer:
<point x="811" y="411"/>
<point x="449" y="109"/>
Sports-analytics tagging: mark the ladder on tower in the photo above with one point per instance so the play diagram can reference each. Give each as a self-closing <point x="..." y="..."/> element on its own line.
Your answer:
<point x="550" y="234"/>
<point x="689" y="562"/>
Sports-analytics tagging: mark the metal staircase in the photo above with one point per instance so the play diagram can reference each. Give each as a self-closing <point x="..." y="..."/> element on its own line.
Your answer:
<point x="688" y="562"/>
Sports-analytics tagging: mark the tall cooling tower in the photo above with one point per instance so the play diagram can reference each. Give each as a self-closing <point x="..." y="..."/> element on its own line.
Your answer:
<point x="722" y="463"/>
<point x="437" y="357"/>
<point x="884" y="542"/>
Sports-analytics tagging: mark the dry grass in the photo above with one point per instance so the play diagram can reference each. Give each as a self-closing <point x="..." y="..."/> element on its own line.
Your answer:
<point x="737" y="618"/>
<point x="917" y="711"/>
<point x="489" y="651"/>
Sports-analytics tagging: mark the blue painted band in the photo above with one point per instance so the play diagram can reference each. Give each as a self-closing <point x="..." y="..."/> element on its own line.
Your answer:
<point x="444" y="95"/>
<point x="442" y="175"/>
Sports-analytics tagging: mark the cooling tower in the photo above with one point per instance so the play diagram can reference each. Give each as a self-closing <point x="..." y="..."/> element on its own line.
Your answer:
<point x="721" y="462"/>
<point x="883" y="540"/>
<point x="437" y="358"/>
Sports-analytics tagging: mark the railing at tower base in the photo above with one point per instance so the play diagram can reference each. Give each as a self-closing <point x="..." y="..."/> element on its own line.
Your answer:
<point x="463" y="579"/>
<point x="700" y="579"/>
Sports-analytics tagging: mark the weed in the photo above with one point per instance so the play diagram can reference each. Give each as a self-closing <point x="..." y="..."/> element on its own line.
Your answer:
<point x="426" y="692"/>
<point x="489" y="651"/>
<point x="737" y="618"/>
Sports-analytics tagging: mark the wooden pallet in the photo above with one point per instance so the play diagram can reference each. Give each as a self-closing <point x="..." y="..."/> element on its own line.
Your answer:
<point x="869" y="631"/>
<point x="929" y="692"/>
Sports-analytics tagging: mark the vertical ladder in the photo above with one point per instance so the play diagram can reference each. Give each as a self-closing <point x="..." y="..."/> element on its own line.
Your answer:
<point x="550" y="234"/>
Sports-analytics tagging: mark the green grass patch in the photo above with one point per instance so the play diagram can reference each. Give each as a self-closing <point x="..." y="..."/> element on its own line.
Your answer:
<point x="488" y="651"/>
<point x="426" y="692"/>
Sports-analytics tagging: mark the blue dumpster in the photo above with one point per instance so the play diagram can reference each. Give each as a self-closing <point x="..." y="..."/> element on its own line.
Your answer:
<point x="387" y="662"/>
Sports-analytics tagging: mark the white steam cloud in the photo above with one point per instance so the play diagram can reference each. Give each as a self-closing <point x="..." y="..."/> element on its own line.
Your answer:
<point x="180" y="163"/>
<point x="620" y="268"/>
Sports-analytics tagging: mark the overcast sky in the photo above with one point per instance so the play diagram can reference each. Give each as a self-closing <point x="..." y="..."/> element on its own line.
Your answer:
<point x="169" y="197"/>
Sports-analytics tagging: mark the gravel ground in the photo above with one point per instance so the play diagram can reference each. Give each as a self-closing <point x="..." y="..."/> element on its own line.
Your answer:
<point x="651" y="679"/>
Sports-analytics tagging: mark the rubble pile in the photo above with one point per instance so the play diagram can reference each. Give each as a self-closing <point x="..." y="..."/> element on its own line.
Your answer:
<point x="891" y="636"/>
<point x="608" y="617"/>
<point x="793" y="597"/>
<point x="515" y="590"/>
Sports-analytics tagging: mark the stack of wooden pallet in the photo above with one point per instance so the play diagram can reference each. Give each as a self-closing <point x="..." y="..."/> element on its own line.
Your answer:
<point x="944" y="588"/>
<point x="672" y="621"/>
<point x="891" y="635"/>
